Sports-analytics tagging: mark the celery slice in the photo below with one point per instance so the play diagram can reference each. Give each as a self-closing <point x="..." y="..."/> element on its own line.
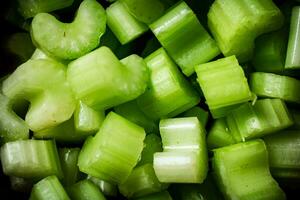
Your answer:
<point x="198" y="112"/>
<point x="108" y="189"/>
<point x="184" y="38"/>
<point x="85" y="190"/>
<point x="67" y="40"/>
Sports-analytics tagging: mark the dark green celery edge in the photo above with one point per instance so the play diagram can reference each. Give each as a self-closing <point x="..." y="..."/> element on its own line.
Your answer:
<point x="85" y="190"/>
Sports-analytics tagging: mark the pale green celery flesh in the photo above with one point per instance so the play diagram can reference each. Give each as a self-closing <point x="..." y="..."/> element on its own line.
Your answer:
<point x="166" y="85"/>
<point x="184" y="38"/>
<point x="68" y="161"/>
<point x="67" y="40"/>
<point x="85" y="190"/>
<point x="125" y="27"/>
<point x="198" y="112"/>
<point x="108" y="189"/>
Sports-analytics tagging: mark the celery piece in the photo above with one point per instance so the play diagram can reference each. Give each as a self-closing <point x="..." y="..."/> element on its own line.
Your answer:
<point x="20" y="184"/>
<point x="68" y="160"/>
<point x="43" y="83"/>
<point x="48" y="188"/>
<point x="106" y="155"/>
<point x="242" y="172"/>
<point x="166" y="85"/>
<point x="292" y="59"/>
<point x="269" y="52"/>
<point x="29" y="8"/>
<point x="131" y="111"/>
<point x="235" y="24"/>
<point x="108" y="189"/>
<point x="275" y="86"/>
<point x="198" y="112"/>
<point x="266" y="116"/>
<point x="230" y="89"/>
<point x="284" y="150"/>
<point x="30" y="159"/>
<point x="125" y="27"/>
<point x="67" y="40"/>
<point x="152" y="144"/>
<point x="13" y="17"/>
<point x="184" y="38"/>
<point x="121" y="81"/>
<point x="12" y="127"/>
<point x="142" y="181"/>
<point x="157" y="196"/>
<point x="219" y="135"/>
<point x="85" y="190"/>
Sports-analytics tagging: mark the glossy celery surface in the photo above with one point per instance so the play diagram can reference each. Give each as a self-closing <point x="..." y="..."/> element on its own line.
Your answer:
<point x="107" y="188"/>
<point x="224" y="85"/>
<point x="85" y="190"/>
<point x="166" y="85"/>
<point x="242" y="172"/>
<point x="184" y="38"/>
<point x="34" y="159"/>
<point x="125" y="27"/>
<point x="235" y="24"/>
<point x="48" y="188"/>
<point x="67" y="40"/>
<point x="275" y="86"/>
<point x="107" y="156"/>
<point x="101" y="81"/>
<point x="266" y="116"/>
<point x="42" y="83"/>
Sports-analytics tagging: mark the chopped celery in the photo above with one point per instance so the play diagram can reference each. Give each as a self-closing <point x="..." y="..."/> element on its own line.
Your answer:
<point x="275" y="86"/>
<point x="67" y="40"/>
<point x="166" y="85"/>
<point x="157" y="196"/>
<point x="198" y="112"/>
<point x="108" y="189"/>
<point x="101" y="81"/>
<point x="242" y="172"/>
<point x="184" y="38"/>
<point x="107" y="156"/>
<point x="230" y="89"/>
<point x="85" y="190"/>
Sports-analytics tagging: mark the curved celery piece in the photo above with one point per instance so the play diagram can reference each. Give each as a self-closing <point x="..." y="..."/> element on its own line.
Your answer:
<point x="12" y="127"/>
<point x="106" y="155"/>
<point x="85" y="190"/>
<point x="101" y="81"/>
<point x="34" y="159"/>
<point x="266" y="116"/>
<point x="167" y="85"/>
<point x="125" y="27"/>
<point x="152" y="144"/>
<point x="29" y="8"/>
<point x="184" y="38"/>
<point x="67" y="40"/>
<point x="48" y="188"/>
<point x="242" y="172"/>
<point x="142" y="181"/>
<point x="231" y="88"/>
<point x="284" y="150"/>
<point x="275" y="86"/>
<point x="108" y="189"/>
<point x="198" y="112"/>
<point x="184" y="159"/>
<point x="157" y="196"/>
<point x="42" y="83"/>
<point x="236" y="23"/>
<point x="131" y="111"/>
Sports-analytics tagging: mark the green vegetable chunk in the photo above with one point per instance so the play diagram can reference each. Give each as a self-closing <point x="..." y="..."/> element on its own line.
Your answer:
<point x="198" y="112"/>
<point x="85" y="190"/>
<point x="108" y="189"/>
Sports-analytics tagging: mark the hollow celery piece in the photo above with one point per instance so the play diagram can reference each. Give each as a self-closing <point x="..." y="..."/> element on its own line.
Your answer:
<point x="142" y="181"/>
<point x="275" y="86"/>
<point x="184" y="38"/>
<point x="242" y="172"/>
<point x="42" y="83"/>
<point x="292" y="54"/>
<point x="12" y="127"/>
<point x="219" y="135"/>
<point x="198" y="112"/>
<point x="235" y="24"/>
<point x="30" y="159"/>
<point x="152" y="144"/>
<point x="85" y="190"/>
<point x="48" y="188"/>
<point x="121" y="81"/>
<point x="157" y="196"/>
<point x="108" y="189"/>
<point x="107" y="156"/>
<point x="166" y="85"/>
<point x="67" y="40"/>
<point x="184" y="159"/>
<point x="229" y="91"/>
<point x="266" y="116"/>
<point x="131" y="111"/>
<point x="284" y="150"/>
<point x="125" y="27"/>
<point x="269" y="52"/>
<point x="29" y="8"/>
<point x="68" y="160"/>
